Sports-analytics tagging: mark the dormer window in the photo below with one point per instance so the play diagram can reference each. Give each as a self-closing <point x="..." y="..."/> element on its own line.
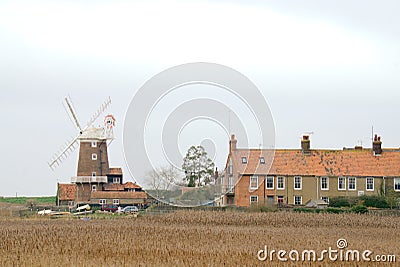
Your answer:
<point x="244" y="160"/>
<point x="262" y="160"/>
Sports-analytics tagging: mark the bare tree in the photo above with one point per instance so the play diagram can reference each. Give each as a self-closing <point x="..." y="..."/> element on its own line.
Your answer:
<point x="163" y="179"/>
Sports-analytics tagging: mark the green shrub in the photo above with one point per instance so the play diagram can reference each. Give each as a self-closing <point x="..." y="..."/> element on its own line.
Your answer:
<point x="335" y="210"/>
<point x="339" y="202"/>
<point x="359" y="209"/>
<point x="375" y="202"/>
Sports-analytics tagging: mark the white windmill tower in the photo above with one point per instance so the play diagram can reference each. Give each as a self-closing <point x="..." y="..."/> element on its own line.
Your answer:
<point x="93" y="165"/>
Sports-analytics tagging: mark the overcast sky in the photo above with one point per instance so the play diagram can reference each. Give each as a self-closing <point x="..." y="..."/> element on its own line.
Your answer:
<point x="332" y="68"/>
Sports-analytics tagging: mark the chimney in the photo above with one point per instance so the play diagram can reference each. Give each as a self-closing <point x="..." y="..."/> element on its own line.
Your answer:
<point x="305" y="145"/>
<point x="377" y="145"/>
<point x="232" y="143"/>
<point x="216" y="174"/>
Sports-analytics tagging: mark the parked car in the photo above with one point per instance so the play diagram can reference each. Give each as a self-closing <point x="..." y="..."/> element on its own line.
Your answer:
<point x="130" y="209"/>
<point x="110" y="208"/>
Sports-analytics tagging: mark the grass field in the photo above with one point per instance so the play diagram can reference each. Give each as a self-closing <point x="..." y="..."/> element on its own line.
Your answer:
<point x="192" y="238"/>
<point x="25" y="200"/>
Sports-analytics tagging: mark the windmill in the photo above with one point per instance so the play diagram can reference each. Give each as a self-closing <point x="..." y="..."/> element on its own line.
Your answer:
<point x="86" y="134"/>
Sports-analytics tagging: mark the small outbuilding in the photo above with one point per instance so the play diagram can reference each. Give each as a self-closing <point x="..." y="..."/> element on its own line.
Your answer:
<point x="316" y="203"/>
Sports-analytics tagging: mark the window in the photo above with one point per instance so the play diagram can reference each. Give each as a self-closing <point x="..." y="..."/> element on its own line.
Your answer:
<point x="102" y="201"/>
<point x="244" y="160"/>
<point x="253" y="182"/>
<point x="297" y="182"/>
<point x="370" y="184"/>
<point x="298" y="200"/>
<point x="280" y="199"/>
<point x="341" y="183"/>
<point x="253" y="199"/>
<point x="94" y="143"/>
<point x="230" y="167"/>
<point x="94" y="156"/>
<point x="352" y="183"/>
<point x="71" y="203"/>
<point x="93" y="174"/>
<point x="230" y="184"/>
<point x="281" y="182"/>
<point x="269" y="184"/>
<point x="324" y="183"/>
<point x="116" y="180"/>
<point x="262" y="160"/>
<point x="326" y="199"/>
<point x="94" y="188"/>
<point x="116" y="201"/>
<point x="396" y="185"/>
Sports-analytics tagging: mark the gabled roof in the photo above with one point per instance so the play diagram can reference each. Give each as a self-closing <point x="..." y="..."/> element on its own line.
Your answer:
<point x="347" y="162"/>
<point x="131" y="185"/>
<point x="66" y="192"/>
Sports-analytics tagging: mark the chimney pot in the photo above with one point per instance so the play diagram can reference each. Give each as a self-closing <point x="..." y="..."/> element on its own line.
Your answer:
<point x="377" y="145"/>
<point x="232" y="143"/>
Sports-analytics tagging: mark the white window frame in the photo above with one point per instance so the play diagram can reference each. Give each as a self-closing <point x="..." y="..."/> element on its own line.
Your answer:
<point x="94" y="188"/>
<point x="327" y="199"/>
<point x="327" y="183"/>
<point x="301" y="183"/>
<point x="373" y="184"/>
<point x="355" y="183"/>
<point x="94" y="143"/>
<point x="244" y="160"/>
<point x="116" y="180"/>
<point x="338" y="183"/>
<point x="396" y="181"/>
<point x="253" y="177"/>
<point x="94" y="156"/>
<point x="102" y="201"/>
<point x="252" y="202"/>
<point x="301" y="200"/>
<point x="115" y="201"/>
<point x="283" y="183"/>
<point x="262" y="160"/>
<point x="266" y="182"/>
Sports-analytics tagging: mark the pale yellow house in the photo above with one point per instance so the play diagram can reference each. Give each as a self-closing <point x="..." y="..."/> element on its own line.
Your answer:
<point x="295" y="176"/>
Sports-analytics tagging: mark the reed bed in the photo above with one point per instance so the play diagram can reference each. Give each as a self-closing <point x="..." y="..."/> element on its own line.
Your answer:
<point x="191" y="238"/>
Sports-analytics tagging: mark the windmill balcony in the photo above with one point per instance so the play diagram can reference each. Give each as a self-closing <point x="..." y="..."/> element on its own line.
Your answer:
<point x="89" y="179"/>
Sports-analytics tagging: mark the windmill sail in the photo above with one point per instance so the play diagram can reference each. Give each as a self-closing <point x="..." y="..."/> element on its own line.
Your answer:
<point x="98" y="112"/>
<point x="73" y="144"/>
<point x="68" y="149"/>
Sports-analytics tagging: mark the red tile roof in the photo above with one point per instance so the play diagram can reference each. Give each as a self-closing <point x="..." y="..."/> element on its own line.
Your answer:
<point x="348" y="162"/>
<point x="118" y="195"/>
<point x="121" y="187"/>
<point x="113" y="187"/>
<point x="66" y="192"/>
<point x="115" y="171"/>
<point x="131" y="185"/>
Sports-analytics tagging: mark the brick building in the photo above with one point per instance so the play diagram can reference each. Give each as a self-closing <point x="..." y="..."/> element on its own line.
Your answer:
<point x="297" y="176"/>
<point x="96" y="182"/>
